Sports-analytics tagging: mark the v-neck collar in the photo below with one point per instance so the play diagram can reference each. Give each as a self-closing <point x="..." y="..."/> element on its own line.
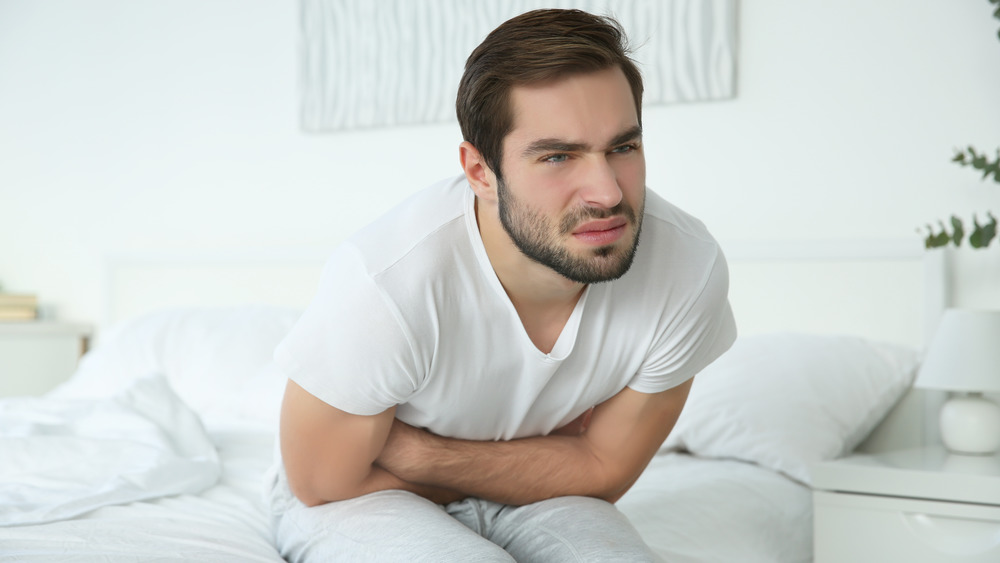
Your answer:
<point x="567" y="336"/>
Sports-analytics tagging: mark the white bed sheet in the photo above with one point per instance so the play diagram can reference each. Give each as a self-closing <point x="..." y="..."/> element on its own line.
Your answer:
<point x="687" y="509"/>
<point x="225" y="523"/>
<point x="64" y="458"/>
<point x="217" y="362"/>
<point x="697" y="510"/>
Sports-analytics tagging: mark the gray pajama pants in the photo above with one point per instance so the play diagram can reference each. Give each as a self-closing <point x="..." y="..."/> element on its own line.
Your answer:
<point x="390" y="526"/>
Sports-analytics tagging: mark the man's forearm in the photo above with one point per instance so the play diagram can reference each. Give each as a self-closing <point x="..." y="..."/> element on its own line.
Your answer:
<point x="380" y="479"/>
<point x="516" y="472"/>
<point x="601" y="460"/>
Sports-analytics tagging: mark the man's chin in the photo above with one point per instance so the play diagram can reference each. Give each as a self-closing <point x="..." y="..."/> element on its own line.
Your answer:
<point x="598" y="268"/>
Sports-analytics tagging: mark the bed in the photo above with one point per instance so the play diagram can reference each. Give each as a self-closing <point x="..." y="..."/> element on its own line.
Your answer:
<point x="157" y="447"/>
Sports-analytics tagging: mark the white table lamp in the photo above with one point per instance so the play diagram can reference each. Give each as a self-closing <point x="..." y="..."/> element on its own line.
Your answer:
<point x="964" y="357"/>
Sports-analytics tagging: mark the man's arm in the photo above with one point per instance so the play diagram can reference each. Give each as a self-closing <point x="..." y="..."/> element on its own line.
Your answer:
<point x="328" y="453"/>
<point x="603" y="462"/>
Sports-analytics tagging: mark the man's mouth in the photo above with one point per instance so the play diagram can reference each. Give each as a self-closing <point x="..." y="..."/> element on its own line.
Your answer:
<point x="601" y="232"/>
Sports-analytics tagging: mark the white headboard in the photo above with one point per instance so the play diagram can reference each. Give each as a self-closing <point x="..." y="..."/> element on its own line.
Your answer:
<point x="890" y="290"/>
<point x="142" y="282"/>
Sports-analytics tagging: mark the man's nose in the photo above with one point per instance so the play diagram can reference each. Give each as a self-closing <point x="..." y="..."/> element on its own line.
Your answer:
<point x="599" y="184"/>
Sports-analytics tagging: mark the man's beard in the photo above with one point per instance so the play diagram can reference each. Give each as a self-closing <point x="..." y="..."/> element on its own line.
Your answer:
<point x="538" y="239"/>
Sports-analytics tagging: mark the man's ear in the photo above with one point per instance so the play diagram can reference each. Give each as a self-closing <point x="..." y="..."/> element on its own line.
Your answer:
<point x="479" y="175"/>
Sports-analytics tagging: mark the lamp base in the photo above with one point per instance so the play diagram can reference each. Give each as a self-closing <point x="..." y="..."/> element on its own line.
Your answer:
<point x="970" y="424"/>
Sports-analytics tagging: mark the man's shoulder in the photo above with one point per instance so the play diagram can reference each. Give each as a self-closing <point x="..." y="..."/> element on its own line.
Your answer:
<point x="672" y="237"/>
<point x="676" y="253"/>
<point x="673" y="220"/>
<point x="418" y="221"/>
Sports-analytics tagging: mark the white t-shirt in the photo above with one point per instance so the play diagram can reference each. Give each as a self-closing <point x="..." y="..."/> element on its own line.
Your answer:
<point x="409" y="312"/>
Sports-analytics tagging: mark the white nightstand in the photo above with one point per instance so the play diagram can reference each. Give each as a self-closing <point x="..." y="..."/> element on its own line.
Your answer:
<point x="919" y="506"/>
<point x="35" y="356"/>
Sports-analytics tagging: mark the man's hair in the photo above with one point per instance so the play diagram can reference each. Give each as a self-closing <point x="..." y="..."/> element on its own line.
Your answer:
<point x="533" y="48"/>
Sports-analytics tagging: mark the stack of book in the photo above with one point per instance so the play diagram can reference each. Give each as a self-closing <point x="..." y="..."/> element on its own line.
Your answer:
<point x="18" y="307"/>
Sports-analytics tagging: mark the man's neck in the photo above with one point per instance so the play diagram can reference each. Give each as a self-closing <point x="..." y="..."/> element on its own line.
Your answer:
<point x="544" y="299"/>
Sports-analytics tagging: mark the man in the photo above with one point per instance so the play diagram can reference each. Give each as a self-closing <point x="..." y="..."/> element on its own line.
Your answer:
<point x="487" y="368"/>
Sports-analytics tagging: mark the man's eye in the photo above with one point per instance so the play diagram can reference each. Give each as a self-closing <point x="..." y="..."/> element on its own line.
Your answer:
<point x="556" y="158"/>
<point x="625" y="148"/>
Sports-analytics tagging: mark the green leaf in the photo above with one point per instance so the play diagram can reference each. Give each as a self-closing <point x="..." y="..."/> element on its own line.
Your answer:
<point x="959" y="157"/>
<point x="940" y="239"/>
<point x="993" y="169"/>
<point x="982" y="235"/>
<point x="976" y="237"/>
<point x="959" y="230"/>
<point x="989" y="230"/>
<point x="936" y="240"/>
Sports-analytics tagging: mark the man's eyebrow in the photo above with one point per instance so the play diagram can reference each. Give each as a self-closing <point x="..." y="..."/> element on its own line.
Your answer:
<point x="632" y="134"/>
<point x="542" y="146"/>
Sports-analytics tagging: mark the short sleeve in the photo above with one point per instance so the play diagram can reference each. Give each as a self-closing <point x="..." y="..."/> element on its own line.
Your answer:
<point x="349" y="348"/>
<point x="693" y="338"/>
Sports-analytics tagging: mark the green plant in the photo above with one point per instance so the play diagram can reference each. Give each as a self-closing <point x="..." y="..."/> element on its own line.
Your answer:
<point x="981" y="234"/>
<point x="979" y="161"/>
<point x="996" y="14"/>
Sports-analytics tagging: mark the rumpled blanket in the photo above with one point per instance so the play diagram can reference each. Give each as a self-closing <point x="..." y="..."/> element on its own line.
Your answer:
<point x="60" y="458"/>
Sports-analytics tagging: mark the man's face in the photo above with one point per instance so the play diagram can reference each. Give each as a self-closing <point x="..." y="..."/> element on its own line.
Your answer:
<point x="574" y="176"/>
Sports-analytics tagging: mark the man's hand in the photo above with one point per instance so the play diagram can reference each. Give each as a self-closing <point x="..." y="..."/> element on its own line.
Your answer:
<point x="601" y="459"/>
<point x="403" y="448"/>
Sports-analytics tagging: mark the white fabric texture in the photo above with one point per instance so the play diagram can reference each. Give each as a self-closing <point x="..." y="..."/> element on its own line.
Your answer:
<point x="788" y="400"/>
<point x="224" y="524"/>
<point x="59" y="459"/>
<point x="559" y="530"/>
<point x="695" y="510"/>
<point x="688" y="509"/>
<point x="218" y="360"/>
<point x="410" y="312"/>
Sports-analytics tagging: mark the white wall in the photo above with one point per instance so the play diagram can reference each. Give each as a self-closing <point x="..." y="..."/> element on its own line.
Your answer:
<point x="141" y="125"/>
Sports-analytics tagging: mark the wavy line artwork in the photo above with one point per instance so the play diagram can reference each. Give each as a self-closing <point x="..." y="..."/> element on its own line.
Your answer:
<point x="395" y="62"/>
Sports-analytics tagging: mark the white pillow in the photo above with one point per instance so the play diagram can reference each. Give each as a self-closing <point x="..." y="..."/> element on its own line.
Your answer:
<point x="787" y="400"/>
<point x="218" y="360"/>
